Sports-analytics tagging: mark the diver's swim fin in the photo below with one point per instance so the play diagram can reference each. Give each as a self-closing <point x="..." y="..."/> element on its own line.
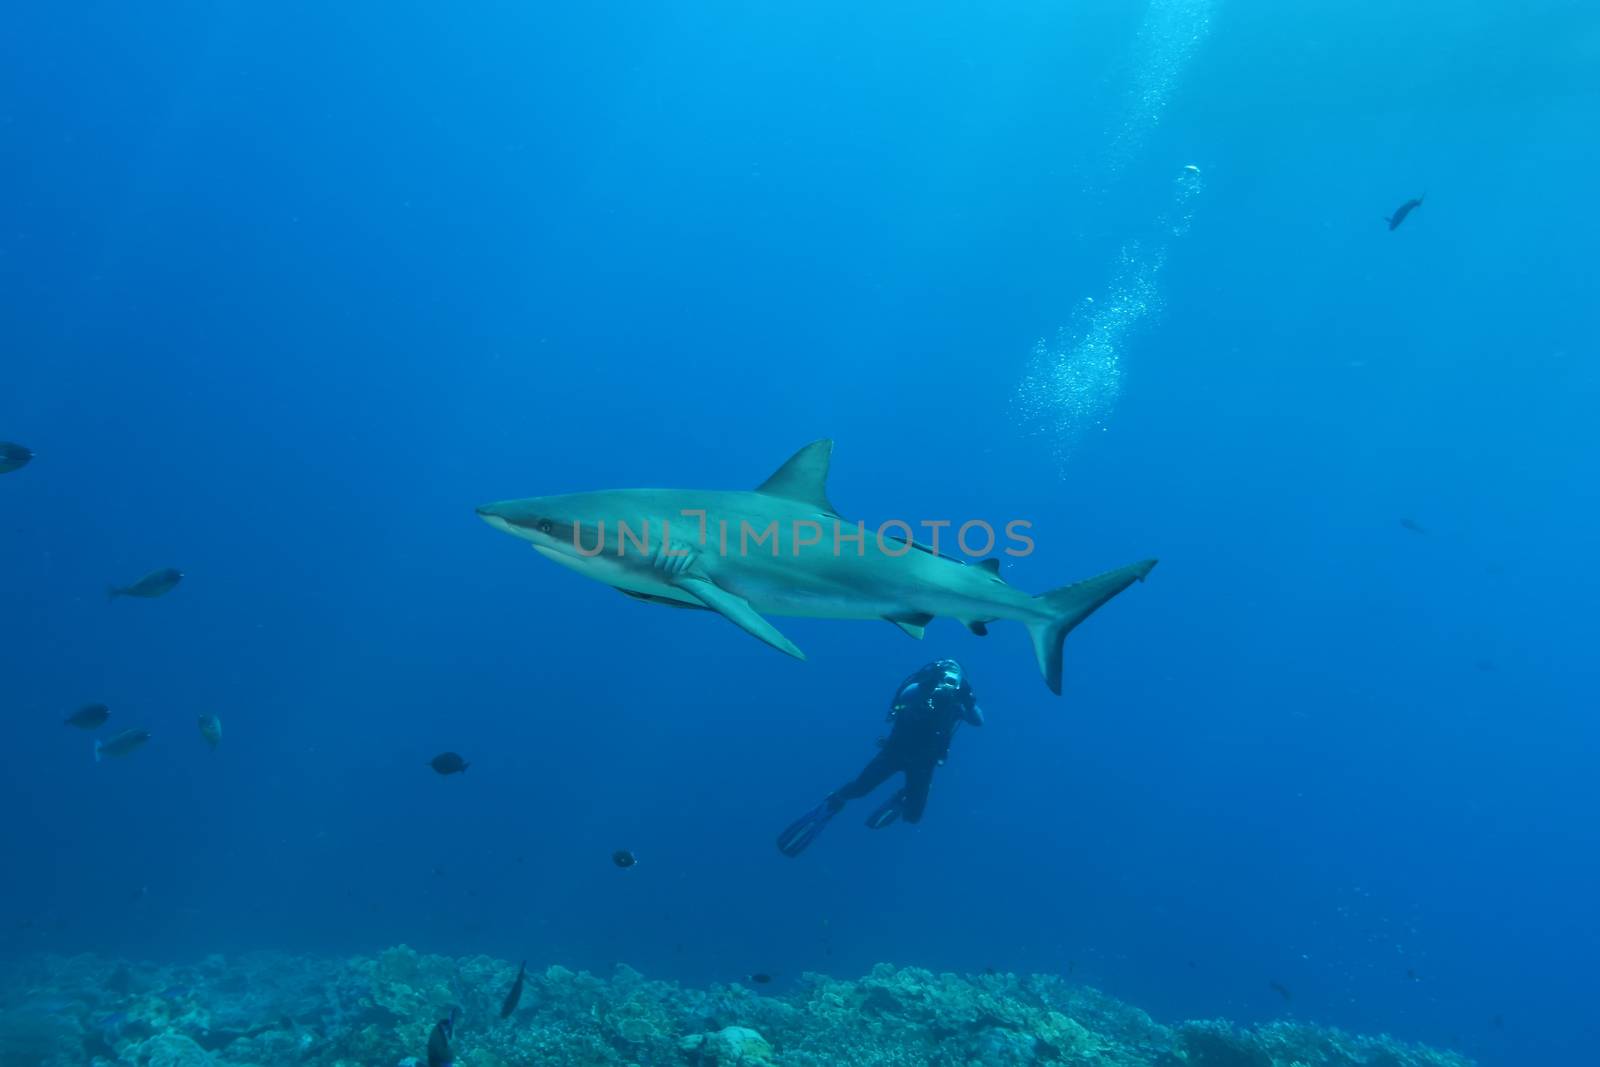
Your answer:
<point x="888" y="813"/>
<point x="804" y="830"/>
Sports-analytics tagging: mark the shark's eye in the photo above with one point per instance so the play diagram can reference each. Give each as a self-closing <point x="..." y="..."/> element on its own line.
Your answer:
<point x="546" y="526"/>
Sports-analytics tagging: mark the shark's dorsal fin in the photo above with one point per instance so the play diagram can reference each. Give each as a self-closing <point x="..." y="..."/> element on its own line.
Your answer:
<point x="991" y="565"/>
<point x="804" y="477"/>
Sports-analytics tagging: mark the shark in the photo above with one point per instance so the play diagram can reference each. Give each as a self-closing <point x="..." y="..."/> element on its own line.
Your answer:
<point x="783" y="549"/>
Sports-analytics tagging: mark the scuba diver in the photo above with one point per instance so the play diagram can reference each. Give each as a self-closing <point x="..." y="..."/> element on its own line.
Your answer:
<point x="924" y="715"/>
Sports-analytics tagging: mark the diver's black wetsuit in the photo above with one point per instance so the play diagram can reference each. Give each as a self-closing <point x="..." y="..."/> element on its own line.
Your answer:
<point x="924" y="715"/>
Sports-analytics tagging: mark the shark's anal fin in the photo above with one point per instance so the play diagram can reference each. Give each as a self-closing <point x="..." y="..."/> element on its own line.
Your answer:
<point x="913" y="624"/>
<point x="978" y="628"/>
<point x="665" y="601"/>
<point x="737" y="610"/>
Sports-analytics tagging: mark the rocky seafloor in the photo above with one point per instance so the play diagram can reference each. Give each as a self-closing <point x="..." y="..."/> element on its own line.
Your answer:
<point x="265" y="1009"/>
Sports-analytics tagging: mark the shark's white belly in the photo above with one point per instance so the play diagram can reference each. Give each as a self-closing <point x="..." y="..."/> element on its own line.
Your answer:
<point x="619" y="573"/>
<point x="808" y="587"/>
<point x="777" y="598"/>
<point x="863" y="589"/>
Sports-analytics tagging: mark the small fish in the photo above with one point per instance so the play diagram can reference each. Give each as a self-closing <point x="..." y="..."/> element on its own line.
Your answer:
<point x="154" y="584"/>
<point x="13" y="457"/>
<point x="448" y="763"/>
<point x="1402" y="211"/>
<point x="1414" y="526"/>
<point x="89" y="717"/>
<point x="121" y="745"/>
<point x="1282" y="990"/>
<point x="623" y="858"/>
<point x="760" y="979"/>
<point x="439" y="1054"/>
<point x="515" y="995"/>
<point x="211" y="730"/>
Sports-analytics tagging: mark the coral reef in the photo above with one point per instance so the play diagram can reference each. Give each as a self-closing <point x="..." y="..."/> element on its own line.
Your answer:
<point x="265" y="1008"/>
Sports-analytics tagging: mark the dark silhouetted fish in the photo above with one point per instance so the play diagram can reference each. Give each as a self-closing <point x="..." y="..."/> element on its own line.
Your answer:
<point x="121" y="745"/>
<point x="89" y="717"/>
<point x="760" y="979"/>
<point x="13" y="457"/>
<point x="439" y="1054"/>
<point x="211" y="730"/>
<point x="154" y="584"/>
<point x="1403" y="210"/>
<point x="515" y="995"/>
<point x="1414" y="526"/>
<point x="449" y="763"/>
<point x="623" y="858"/>
<point x="1282" y="990"/>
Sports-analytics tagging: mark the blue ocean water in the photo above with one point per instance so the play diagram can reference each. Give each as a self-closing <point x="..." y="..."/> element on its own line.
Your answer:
<point x="291" y="289"/>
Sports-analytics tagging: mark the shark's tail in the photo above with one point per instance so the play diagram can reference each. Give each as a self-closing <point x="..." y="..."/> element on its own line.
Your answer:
<point x="1070" y="605"/>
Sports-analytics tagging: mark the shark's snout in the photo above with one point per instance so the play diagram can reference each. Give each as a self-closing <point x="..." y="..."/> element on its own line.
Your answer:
<point x="495" y="516"/>
<point x="519" y="518"/>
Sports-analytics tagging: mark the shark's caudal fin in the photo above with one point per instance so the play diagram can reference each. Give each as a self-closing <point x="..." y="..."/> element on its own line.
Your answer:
<point x="1070" y="605"/>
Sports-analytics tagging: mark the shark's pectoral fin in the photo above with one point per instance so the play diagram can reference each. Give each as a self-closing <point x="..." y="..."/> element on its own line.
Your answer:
<point x="737" y="610"/>
<point x="979" y="627"/>
<point x="912" y="624"/>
